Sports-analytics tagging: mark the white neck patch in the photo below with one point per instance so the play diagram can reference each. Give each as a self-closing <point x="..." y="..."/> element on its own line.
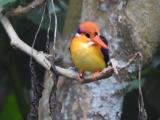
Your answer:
<point x="90" y="43"/>
<point x="77" y="35"/>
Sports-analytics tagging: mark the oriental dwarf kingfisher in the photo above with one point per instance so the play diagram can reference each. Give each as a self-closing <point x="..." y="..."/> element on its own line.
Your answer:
<point x="89" y="50"/>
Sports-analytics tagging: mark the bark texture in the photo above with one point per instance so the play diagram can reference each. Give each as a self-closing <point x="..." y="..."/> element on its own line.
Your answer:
<point x="142" y="17"/>
<point x="129" y="27"/>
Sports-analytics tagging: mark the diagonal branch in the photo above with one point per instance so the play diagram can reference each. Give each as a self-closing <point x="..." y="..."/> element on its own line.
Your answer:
<point x="24" y="9"/>
<point x="41" y="57"/>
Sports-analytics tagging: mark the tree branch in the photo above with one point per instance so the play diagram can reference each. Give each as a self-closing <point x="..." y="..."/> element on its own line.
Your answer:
<point x="24" y="9"/>
<point x="131" y="60"/>
<point x="41" y="57"/>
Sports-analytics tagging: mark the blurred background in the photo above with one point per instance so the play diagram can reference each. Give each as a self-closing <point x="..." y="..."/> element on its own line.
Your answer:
<point x="15" y="72"/>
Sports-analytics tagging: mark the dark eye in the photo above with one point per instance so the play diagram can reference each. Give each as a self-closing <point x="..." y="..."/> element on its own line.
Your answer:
<point x="87" y="35"/>
<point x="96" y="33"/>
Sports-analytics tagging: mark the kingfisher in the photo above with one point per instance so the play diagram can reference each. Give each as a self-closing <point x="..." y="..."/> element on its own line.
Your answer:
<point x="89" y="50"/>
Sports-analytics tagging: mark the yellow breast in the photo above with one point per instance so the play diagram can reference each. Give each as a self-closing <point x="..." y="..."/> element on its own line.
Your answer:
<point x="85" y="55"/>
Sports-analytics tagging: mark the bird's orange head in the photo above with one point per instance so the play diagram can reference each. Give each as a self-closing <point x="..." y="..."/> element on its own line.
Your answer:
<point x="91" y="30"/>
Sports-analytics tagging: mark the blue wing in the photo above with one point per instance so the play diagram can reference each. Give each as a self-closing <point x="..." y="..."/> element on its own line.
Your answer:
<point x="104" y="50"/>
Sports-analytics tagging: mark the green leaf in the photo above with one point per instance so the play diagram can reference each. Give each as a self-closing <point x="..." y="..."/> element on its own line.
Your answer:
<point x="10" y="110"/>
<point x="5" y="2"/>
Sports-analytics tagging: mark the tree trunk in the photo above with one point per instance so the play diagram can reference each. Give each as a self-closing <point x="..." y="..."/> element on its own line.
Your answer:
<point x="129" y="27"/>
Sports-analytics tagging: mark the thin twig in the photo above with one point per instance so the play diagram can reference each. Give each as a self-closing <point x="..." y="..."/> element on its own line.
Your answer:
<point x="55" y="26"/>
<point x="142" y="111"/>
<point x="129" y="61"/>
<point x="24" y="9"/>
<point x="48" y="31"/>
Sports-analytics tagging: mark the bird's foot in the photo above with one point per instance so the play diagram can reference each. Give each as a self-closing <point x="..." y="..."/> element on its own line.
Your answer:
<point x="80" y="75"/>
<point x="94" y="76"/>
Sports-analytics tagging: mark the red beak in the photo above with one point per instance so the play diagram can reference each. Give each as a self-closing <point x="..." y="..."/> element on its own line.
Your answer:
<point x="99" y="41"/>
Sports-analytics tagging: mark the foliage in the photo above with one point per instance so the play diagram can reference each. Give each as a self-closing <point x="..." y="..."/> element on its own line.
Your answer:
<point x="60" y="9"/>
<point x="10" y="110"/>
<point x="5" y="2"/>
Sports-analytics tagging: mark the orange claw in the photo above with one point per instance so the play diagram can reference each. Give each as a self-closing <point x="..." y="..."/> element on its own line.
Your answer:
<point x="80" y="75"/>
<point x="95" y="74"/>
